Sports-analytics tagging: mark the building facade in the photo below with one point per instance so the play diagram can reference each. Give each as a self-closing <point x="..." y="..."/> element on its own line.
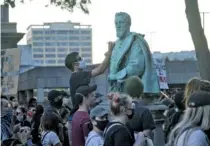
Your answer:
<point x="51" y="42"/>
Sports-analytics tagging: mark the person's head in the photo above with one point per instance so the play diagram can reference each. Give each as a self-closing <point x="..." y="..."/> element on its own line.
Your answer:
<point x="5" y="105"/>
<point x="32" y="101"/>
<point x="50" y="121"/>
<point x="99" y="118"/>
<point x="74" y="62"/>
<point x="14" y="102"/>
<point x="55" y="99"/>
<point x="197" y="114"/>
<point x="85" y="96"/>
<point x="122" y="24"/>
<point x="121" y="106"/>
<point x="192" y="86"/>
<point x="21" y="113"/>
<point x="64" y="114"/>
<point x="39" y="109"/>
<point x="133" y="87"/>
<point x="31" y="110"/>
<point x="179" y="100"/>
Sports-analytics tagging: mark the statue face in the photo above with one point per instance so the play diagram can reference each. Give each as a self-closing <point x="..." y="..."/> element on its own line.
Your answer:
<point x="122" y="26"/>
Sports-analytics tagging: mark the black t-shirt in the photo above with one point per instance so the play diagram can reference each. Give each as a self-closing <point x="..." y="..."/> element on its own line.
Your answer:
<point x="119" y="135"/>
<point x="77" y="79"/>
<point x="142" y="119"/>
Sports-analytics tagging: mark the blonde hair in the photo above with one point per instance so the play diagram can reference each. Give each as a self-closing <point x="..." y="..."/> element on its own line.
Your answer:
<point x="193" y="117"/>
<point x="119" y="102"/>
<point x="192" y="86"/>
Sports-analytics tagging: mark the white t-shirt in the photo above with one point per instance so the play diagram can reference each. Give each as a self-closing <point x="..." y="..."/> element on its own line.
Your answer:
<point x="49" y="138"/>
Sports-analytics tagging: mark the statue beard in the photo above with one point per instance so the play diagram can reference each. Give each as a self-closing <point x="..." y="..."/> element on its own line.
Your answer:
<point x="121" y="33"/>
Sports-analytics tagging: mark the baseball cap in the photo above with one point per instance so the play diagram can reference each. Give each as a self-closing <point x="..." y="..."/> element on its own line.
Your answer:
<point x="98" y="111"/>
<point x="199" y="99"/>
<point x="53" y="94"/>
<point x="71" y="58"/>
<point x="86" y="89"/>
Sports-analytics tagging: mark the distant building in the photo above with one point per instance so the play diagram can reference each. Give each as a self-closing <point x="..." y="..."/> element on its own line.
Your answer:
<point x="51" y="42"/>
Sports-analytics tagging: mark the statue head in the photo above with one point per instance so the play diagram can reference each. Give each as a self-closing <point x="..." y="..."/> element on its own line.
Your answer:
<point x="122" y="24"/>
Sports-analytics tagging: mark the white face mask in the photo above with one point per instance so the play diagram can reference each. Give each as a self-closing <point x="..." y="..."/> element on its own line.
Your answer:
<point x="82" y="64"/>
<point x="20" y="117"/>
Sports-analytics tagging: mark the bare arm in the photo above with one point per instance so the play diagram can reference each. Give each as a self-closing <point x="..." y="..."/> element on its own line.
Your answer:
<point x="103" y="66"/>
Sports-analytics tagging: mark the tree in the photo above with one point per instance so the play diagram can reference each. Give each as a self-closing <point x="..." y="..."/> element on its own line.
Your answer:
<point x="198" y="37"/>
<point x="63" y="4"/>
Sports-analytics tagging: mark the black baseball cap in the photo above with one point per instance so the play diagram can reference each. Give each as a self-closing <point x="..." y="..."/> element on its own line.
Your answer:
<point x="86" y="89"/>
<point x="199" y="99"/>
<point x="53" y="94"/>
<point x="71" y="58"/>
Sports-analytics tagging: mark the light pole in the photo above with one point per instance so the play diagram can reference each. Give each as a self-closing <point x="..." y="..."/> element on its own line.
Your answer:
<point x="203" y="14"/>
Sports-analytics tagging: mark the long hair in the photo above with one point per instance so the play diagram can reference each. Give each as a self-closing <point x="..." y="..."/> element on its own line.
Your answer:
<point x="193" y="117"/>
<point x="192" y="86"/>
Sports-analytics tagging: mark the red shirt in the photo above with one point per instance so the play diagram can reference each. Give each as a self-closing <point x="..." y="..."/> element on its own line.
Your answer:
<point x="80" y="130"/>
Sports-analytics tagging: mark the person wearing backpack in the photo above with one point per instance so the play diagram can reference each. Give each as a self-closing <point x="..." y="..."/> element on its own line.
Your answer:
<point x="117" y="133"/>
<point x="99" y="120"/>
<point x="191" y="130"/>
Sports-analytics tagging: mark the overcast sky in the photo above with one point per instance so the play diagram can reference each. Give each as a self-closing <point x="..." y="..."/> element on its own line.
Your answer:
<point x="164" y="18"/>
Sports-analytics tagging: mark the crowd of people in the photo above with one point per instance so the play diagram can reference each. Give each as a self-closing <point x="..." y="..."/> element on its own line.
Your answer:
<point x="118" y="119"/>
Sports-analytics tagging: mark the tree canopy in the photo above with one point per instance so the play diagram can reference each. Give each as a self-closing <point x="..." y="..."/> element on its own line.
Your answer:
<point x="63" y="4"/>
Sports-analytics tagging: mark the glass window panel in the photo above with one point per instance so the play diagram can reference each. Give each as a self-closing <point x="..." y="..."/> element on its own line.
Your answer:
<point x="88" y="61"/>
<point x="85" y="37"/>
<point x="62" y="44"/>
<point x="50" y="55"/>
<point x="60" y="61"/>
<point x="62" y="50"/>
<point x="62" y="37"/>
<point x="74" y="43"/>
<point x="38" y="55"/>
<point x="37" y="50"/>
<point x="85" y="43"/>
<point x="50" y="43"/>
<point x="36" y="32"/>
<point x="62" y="32"/>
<point x="50" y="50"/>
<point x="50" y="61"/>
<point x="85" y="32"/>
<point x="86" y="55"/>
<point x="74" y="38"/>
<point x="50" y="38"/>
<point x="76" y="32"/>
<point x="38" y="61"/>
<point x="38" y="38"/>
<point x="74" y="50"/>
<point x="86" y="49"/>
<point x="38" y="44"/>
<point x="61" y="55"/>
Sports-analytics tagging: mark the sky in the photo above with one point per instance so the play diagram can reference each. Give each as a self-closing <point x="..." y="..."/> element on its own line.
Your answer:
<point x="163" y="21"/>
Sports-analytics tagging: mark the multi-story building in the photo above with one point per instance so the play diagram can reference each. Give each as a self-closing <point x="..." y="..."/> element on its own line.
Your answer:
<point x="51" y="42"/>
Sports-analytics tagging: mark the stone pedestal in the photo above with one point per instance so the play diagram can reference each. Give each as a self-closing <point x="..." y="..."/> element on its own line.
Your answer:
<point x="40" y="95"/>
<point x="29" y="94"/>
<point x="157" y="110"/>
<point x="22" y="99"/>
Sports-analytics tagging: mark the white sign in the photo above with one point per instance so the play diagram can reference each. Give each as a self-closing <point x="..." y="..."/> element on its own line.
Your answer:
<point x="161" y="73"/>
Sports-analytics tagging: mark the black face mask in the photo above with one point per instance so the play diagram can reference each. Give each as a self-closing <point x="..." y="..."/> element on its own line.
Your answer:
<point x="101" y="125"/>
<point x="57" y="104"/>
<point x="130" y="116"/>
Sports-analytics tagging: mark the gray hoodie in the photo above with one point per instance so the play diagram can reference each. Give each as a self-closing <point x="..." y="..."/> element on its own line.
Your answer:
<point x="94" y="139"/>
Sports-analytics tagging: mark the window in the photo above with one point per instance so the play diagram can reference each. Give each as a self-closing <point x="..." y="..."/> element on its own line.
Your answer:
<point x="85" y="37"/>
<point x="85" y="43"/>
<point x="50" y="38"/>
<point x="76" y="32"/>
<point x="37" y="50"/>
<point x="74" y="38"/>
<point x="62" y="50"/>
<point x="61" y="37"/>
<point x="74" y="43"/>
<point x="86" y="55"/>
<point x="61" y="61"/>
<point x="38" y="38"/>
<point x="62" y="32"/>
<point x="86" y="49"/>
<point x="74" y="50"/>
<point x="85" y="32"/>
<point x="50" y="55"/>
<point x="50" y="61"/>
<point x="49" y="32"/>
<point x="37" y="32"/>
<point x="62" y="44"/>
<point x="38" y="55"/>
<point x="50" y="50"/>
<point x="38" y="61"/>
<point x="38" y="44"/>
<point x="61" y="55"/>
<point x="50" y="43"/>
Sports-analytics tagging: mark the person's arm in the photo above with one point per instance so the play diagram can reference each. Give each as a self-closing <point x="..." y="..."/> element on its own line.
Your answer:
<point x="103" y="66"/>
<point x="136" y="64"/>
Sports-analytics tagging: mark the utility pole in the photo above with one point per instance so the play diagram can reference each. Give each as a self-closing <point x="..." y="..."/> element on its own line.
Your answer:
<point x="203" y="14"/>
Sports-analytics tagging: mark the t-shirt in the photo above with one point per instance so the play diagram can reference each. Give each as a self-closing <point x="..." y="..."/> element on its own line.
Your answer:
<point x="49" y="138"/>
<point x="80" y="128"/>
<point x="142" y="119"/>
<point x="94" y="139"/>
<point x="77" y="79"/>
<point x="119" y="135"/>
